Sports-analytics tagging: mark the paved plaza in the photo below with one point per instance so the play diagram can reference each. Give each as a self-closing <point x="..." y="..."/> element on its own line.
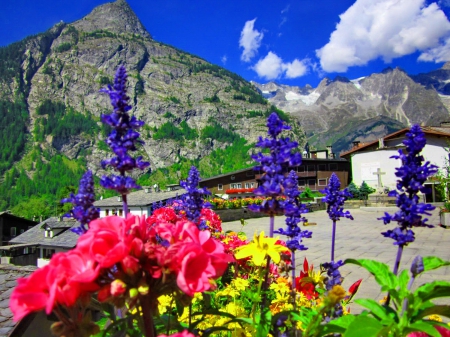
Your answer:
<point x="361" y="239"/>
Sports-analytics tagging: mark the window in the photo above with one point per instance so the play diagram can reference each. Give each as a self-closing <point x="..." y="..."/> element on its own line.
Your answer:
<point x="13" y="231"/>
<point x="106" y="212"/>
<point x="323" y="182"/>
<point x="322" y="167"/>
<point x="247" y="185"/>
<point x="220" y="187"/>
<point x="333" y="167"/>
<point x="121" y="212"/>
<point x="252" y="185"/>
<point x="239" y="185"/>
<point x="311" y="182"/>
<point x="311" y="168"/>
<point x="301" y="183"/>
<point x="301" y="168"/>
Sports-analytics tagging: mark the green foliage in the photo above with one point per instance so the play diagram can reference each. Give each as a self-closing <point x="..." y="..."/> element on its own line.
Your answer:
<point x="12" y="132"/>
<point x="50" y="179"/>
<point x="213" y="99"/>
<point x="365" y="190"/>
<point x="169" y="115"/>
<point x="254" y="113"/>
<point x="173" y="99"/>
<point x="61" y="122"/>
<point x="169" y="131"/>
<point x="65" y="46"/>
<point x="308" y="194"/>
<point x="407" y="310"/>
<point x="239" y="97"/>
<point x="354" y="190"/>
<point x="217" y="132"/>
<point x="104" y="80"/>
<point x="283" y="116"/>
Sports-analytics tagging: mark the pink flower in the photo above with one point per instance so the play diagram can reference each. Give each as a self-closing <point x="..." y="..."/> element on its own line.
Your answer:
<point x="31" y="294"/>
<point x="443" y="331"/>
<point x="212" y="219"/>
<point x="105" y="241"/>
<point x="164" y="214"/>
<point x="184" y="333"/>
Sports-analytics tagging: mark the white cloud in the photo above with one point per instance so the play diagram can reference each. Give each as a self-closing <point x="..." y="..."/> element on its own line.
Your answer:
<point x="272" y="67"/>
<point x="224" y="59"/>
<point x="250" y="40"/>
<point x="438" y="54"/>
<point x="295" y="69"/>
<point x="285" y="9"/>
<point x="370" y="29"/>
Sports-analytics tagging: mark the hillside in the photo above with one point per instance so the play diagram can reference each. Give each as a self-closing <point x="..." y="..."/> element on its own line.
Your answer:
<point x="195" y="112"/>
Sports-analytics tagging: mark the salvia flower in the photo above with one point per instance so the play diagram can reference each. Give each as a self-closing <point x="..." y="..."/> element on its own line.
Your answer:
<point x="335" y="199"/>
<point x="280" y="154"/>
<point x="193" y="201"/>
<point x="293" y="210"/>
<point x="334" y="279"/>
<point x="412" y="174"/>
<point x="83" y="203"/>
<point x="123" y="137"/>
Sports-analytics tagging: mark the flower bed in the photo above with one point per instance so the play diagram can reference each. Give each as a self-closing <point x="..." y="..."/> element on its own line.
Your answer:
<point x="178" y="273"/>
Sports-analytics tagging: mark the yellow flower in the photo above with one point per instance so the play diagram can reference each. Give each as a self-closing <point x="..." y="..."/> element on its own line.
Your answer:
<point x="336" y="294"/>
<point x="259" y="248"/>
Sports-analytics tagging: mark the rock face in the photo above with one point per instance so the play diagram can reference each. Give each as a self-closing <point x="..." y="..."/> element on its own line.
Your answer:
<point x="70" y="63"/>
<point x="330" y="112"/>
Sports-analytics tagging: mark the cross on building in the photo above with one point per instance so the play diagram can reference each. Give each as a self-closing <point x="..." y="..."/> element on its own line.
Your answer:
<point x="379" y="174"/>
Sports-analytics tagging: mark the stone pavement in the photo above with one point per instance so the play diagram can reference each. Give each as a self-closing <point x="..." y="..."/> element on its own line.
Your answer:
<point x="361" y="239"/>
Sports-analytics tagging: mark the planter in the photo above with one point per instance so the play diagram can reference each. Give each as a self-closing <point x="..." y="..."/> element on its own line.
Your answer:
<point x="445" y="219"/>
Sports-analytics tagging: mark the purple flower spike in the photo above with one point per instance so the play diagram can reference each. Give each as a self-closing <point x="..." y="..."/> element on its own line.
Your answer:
<point x="412" y="176"/>
<point x="293" y="210"/>
<point x="193" y="202"/>
<point x="83" y="203"/>
<point x="123" y="137"/>
<point x="335" y="199"/>
<point x="272" y="165"/>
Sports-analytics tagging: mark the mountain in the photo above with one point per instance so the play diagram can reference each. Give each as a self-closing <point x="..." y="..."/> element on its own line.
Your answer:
<point x="195" y="112"/>
<point x="333" y="112"/>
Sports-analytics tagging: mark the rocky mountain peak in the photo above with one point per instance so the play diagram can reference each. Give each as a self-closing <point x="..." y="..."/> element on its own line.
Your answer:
<point x="116" y="17"/>
<point x="446" y="66"/>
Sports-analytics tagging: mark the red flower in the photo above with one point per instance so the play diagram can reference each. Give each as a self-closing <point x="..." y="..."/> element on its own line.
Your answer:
<point x="443" y="331"/>
<point x="31" y="294"/>
<point x="212" y="219"/>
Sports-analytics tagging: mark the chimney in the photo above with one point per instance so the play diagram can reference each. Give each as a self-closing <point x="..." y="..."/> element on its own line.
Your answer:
<point x="329" y="149"/>
<point x="356" y="143"/>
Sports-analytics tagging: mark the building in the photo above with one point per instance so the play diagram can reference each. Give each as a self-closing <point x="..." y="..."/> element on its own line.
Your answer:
<point x="37" y="245"/>
<point x="371" y="162"/>
<point x="313" y="173"/>
<point x="11" y="226"/>
<point x="139" y="202"/>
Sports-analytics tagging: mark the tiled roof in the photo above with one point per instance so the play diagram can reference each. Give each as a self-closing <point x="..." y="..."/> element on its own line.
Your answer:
<point x="64" y="239"/>
<point x="8" y="280"/>
<point x="140" y="198"/>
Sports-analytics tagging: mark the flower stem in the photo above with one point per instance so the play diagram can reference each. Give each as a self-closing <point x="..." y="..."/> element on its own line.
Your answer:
<point x="396" y="267"/>
<point x="149" y="329"/>
<point x="125" y="205"/>
<point x="333" y="239"/>
<point x="272" y="225"/>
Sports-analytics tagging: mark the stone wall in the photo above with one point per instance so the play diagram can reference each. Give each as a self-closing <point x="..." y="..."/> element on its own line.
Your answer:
<point x="237" y="214"/>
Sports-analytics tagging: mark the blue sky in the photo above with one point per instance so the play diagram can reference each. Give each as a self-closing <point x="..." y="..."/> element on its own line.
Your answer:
<point x="292" y="42"/>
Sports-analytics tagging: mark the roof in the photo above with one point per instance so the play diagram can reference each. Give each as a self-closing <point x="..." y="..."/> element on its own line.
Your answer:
<point x="8" y="280"/>
<point x="64" y="239"/>
<point x="428" y="130"/>
<point x="140" y="198"/>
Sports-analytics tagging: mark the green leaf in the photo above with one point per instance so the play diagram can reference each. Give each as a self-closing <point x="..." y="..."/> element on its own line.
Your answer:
<point x="263" y="326"/>
<point x="434" y="262"/>
<point x="343" y="321"/>
<point x="376" y="309"/>
<point x="432" y="290"/>
<point x="379" y="270"/>
<point x="424" y="327"/>
<point x="441" y="310"/>
<point x="403" y="280"/>
<point x="364" y="326"/>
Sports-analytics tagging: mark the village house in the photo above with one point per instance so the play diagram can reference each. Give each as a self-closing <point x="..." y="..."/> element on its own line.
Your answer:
<point x="313" y="173"/>
<point x="12" y="225"/>
<point x="371" y="162"/>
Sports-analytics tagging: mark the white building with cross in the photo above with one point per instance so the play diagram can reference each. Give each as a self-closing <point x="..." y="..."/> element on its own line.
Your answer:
<point x="371" y="162"/>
